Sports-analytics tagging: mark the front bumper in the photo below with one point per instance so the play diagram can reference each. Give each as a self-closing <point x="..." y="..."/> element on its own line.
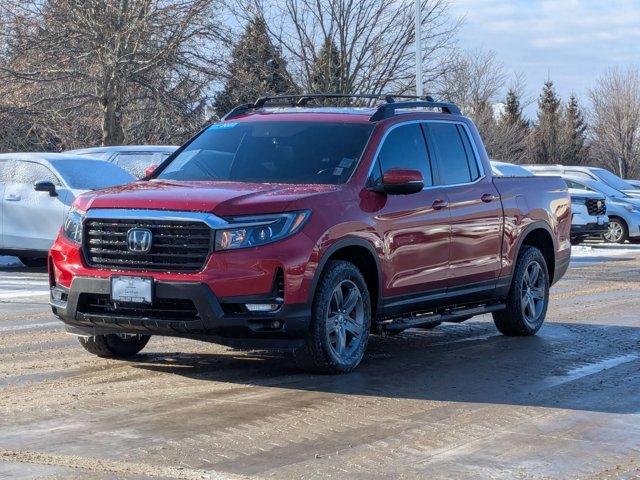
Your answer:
<point x="183" y="309"/>
<point x="589" y="229"/>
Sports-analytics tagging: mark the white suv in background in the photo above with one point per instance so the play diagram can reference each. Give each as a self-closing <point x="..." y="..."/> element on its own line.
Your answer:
<point x="36" y="192"/>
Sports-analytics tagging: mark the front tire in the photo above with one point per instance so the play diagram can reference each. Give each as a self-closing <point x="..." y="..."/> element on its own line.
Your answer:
<point x="340" y="323"/>
<point x="33" y="262"/>
<point x="617" y="231"/>
<point x="114" y="345"/>
<point x="528" y="296"/>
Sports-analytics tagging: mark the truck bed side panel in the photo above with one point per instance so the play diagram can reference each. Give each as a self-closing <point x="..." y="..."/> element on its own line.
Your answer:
<point x="530" y="203"/>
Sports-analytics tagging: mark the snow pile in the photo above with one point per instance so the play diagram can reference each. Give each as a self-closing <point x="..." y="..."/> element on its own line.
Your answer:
<point x="603" y="252"/>
<point x="9" y="262"/>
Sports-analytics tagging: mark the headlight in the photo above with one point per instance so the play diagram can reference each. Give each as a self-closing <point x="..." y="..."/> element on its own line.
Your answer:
<point x="632" y="208"/>
<point x="72" y="227"/>
<point x="259" y="230"/>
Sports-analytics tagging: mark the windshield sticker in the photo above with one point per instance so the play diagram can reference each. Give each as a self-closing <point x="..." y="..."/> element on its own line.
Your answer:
<point x="346" y="162"/>
<point x="222" y="126"/>
<point x="338" y="171"/>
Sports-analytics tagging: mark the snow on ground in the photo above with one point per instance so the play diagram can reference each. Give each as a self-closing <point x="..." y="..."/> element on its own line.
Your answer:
<point x="9" y="262"/>
<point x="603" y="252"/>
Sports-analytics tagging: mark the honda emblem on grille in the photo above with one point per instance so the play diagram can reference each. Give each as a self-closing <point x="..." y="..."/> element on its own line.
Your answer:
<point x="139" y="240"/>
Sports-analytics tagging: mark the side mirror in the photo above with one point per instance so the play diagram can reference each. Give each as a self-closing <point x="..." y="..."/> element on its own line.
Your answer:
<point x="45" y="186"/>
<point x="150" y="169"/>
<point x="400" y="181"/>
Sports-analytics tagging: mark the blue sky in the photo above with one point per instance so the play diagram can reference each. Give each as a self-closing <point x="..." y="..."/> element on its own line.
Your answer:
<point x="570" y="41"/>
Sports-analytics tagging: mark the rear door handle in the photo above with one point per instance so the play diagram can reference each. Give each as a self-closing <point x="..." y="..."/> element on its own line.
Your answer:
<point x="488" y="197"/>
<point x="439" y="204"/>
<point x="11" y="197"/>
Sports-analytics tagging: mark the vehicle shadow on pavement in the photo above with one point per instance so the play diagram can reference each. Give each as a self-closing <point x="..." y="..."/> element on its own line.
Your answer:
<point x="570" y="366"/>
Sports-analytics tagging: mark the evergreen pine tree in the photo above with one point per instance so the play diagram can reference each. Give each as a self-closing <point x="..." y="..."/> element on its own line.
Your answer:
<point x="546" y="139"/>
<point x="574" y="134"/>
<point x="327" y="73"/>
<point x="511" y="131"/>
<point x="512" y="114"/>
<point x="256" y="69"/>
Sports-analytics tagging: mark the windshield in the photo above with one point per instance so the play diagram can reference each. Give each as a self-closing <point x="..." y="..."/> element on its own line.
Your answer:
<point x="91" y="174"/>
<point x="612" y="179"/>
<point x="272" y="152"/>
<point x="604" y="188"/>
<point x="137" y="162"/>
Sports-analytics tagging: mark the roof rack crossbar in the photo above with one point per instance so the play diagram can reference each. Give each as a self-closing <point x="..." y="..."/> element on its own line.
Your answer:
<point x="389" y="109"/>
<point x="384" y="110"/>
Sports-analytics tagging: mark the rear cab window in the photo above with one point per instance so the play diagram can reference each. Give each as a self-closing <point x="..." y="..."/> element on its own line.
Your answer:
<point x="456" y="160"/>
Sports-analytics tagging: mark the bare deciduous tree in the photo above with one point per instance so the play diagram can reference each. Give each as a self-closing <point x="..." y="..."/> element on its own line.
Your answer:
<point x="615" y="121"/>
<point x="374" y="39"/>
<point x="114" y="64"/>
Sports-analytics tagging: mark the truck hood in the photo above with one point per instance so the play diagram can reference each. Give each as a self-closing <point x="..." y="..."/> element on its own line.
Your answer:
<point x="221" y="198"/>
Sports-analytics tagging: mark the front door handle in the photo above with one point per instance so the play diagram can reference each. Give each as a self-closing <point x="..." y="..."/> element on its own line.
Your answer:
<point x="488" y="197"/>
<point x="12" y="197"/>
<point x="439" y="204"/>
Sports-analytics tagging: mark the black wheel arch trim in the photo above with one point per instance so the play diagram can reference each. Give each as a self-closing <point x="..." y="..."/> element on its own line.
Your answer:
<point x="537" y="225"/>
<point x="338" y="245"/>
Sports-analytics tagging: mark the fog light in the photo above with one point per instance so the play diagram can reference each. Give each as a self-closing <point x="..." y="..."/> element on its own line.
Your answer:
<point x="262" y="307"/>
<point x="56" y="294"/>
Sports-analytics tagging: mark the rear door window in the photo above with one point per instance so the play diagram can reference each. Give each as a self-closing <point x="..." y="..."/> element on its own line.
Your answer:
<point x="405" y="148"/>
<point x="457" y="163"/>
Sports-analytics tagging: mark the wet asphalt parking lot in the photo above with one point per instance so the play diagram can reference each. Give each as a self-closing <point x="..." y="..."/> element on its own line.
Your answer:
<point x="459" y="401"/>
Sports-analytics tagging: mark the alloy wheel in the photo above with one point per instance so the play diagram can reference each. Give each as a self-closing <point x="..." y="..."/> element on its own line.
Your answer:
<point x="615" y="232"/>
<point x="533" y="293"/>
<point x="345" y="319"/>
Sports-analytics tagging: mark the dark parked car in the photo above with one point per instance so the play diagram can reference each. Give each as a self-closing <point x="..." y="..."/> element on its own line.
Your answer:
<point x="311" y="228"/>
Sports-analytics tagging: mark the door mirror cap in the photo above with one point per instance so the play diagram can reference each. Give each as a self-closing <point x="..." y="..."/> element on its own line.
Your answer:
<point x="45" y="186"/>
<point x="400" y="181"/>
<point x="150" y="169"/>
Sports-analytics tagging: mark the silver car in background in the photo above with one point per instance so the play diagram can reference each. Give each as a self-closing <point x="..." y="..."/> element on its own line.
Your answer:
<point x="601" y="175"/>
<point x="135" y="159"/>
<point x="36" y="192"/>
<point x="588" y="208"/>
<point x="623" y="210"/>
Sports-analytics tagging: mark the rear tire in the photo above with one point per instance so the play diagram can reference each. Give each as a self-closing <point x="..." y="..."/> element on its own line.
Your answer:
<point x="114" y="345"/>
<point x="340" y="322"/>
<point x="528" y="296"/>
<point x="33" y="262"/>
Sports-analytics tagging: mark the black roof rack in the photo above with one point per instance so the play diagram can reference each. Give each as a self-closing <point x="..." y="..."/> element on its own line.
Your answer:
<point x="384" y="110"/>
<point x="387" y="110"/>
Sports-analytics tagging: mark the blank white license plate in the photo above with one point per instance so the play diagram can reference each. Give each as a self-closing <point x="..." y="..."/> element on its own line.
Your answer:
<point x="131" y="289"/>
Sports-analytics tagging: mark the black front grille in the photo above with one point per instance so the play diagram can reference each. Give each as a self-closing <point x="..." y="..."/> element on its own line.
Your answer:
<point x="167" y="309"/>
<point x="594" y="209"/>
<point x="176" y="245"/>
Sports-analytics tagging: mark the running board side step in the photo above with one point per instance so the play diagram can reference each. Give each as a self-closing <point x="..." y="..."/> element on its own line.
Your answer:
<point x="396" y="325"/>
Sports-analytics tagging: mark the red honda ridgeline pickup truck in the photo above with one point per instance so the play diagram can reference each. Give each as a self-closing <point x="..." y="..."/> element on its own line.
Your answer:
<point x="292" y="226"/>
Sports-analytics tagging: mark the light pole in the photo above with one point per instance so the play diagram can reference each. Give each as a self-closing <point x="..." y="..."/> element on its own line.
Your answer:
<point x="418" y="32"/>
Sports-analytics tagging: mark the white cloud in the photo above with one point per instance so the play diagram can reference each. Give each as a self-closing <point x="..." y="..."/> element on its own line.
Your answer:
<point x="569" y="41"/>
